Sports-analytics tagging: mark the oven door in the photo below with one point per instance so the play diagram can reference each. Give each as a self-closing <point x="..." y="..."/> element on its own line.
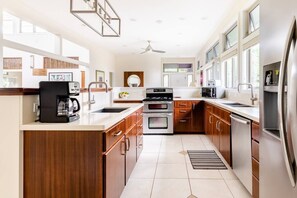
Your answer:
<point x="157" y="106"/>
<point x="158" y="123"/>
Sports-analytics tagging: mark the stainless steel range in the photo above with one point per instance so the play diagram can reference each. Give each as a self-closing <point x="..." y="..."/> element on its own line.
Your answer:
<point x="158" y="111"/>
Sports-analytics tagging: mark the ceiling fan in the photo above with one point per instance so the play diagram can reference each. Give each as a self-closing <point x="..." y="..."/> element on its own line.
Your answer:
<point x="150" y="49"/>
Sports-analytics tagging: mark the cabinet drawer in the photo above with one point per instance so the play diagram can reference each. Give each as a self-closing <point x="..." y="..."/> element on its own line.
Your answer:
<point x="130" y="121"/>
<point x="114" y="134"/>
<point x="181" y="113"/>
<point x="183" y="125"/>
<point x="255" y="150"/>
<point x="255" y="187"/>
<point x="255" y="131"/>
<point x="255" y="166"/>
<point x="183" y="104"/>
<point x="223" y="114"/>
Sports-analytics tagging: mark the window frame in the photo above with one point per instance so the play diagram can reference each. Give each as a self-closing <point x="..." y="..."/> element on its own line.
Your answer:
<point x="228" y="46"/>
<point x="250" y="21"/>
<point x="212" y="50"/>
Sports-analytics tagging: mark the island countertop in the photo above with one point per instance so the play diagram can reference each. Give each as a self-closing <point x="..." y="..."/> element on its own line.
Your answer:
<point x="88" y="121"/>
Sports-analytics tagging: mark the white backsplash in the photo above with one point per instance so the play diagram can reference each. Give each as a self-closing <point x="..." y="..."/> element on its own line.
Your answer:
<point x="242" y="97"/>
<point x="139" y="92"/>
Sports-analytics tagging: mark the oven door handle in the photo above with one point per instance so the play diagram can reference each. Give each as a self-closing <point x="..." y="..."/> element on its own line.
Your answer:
<point x="157" y="114"/>
<point x="157" y="102"/>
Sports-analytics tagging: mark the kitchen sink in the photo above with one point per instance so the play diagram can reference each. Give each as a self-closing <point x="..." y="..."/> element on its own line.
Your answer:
<point x="236" y="104"/>
<point x="111" y="110"/>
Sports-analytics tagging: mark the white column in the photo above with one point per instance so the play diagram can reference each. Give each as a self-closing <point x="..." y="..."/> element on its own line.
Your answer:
<point x="1" y="48"/>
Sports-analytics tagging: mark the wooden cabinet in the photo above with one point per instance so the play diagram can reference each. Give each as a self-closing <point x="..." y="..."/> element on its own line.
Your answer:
<point x="82" y="163"/>
<point x="139" y="136"/>
<point x="225" y="140"/>
<point x="188" y="116"/>
<point x="255" y="159"/>
<point x="218" y="129"/>
<point x="130" y="144"/>
<point x="114" y="173"/>
<point x="208" y="121"/>
<point x="63" y="164"/>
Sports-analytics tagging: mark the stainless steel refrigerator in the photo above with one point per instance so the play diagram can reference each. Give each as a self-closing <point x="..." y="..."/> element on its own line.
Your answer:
<point x="278" y="99"/>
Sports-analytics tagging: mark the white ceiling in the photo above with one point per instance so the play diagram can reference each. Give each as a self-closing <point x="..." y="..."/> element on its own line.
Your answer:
<point x="180" y="27"/>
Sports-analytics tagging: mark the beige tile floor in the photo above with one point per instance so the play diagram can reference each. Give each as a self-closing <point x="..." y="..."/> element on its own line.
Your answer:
<point x="164" y="171"/>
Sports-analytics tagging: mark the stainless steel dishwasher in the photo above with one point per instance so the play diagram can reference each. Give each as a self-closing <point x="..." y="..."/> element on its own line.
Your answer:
<point x="241" y="150"/>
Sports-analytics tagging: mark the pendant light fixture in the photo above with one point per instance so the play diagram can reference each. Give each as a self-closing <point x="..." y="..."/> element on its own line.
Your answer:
<point x="98" y="15"/>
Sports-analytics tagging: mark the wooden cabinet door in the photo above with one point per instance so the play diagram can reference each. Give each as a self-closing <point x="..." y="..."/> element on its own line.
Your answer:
<point x="183" y="125"/>
<point x="197" y="116"/>
<point x="216" y="132"/>
<point x="225" y="140"/>
<point x="208" y="122"/>
<point x="130" y="151"/>
<point x="115" y="170"/>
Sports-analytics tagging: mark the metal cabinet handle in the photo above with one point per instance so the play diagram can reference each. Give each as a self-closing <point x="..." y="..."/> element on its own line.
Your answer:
<point x="217" y="124"/>
<point x="182" y="121"/>
<point x="210" y="119"/>
<point x="182" y="111"/>
<point x="123" y="143"/>
<point x="183" y="104"/>
<point x="128" y="146"/>
<point x="117" y="134"/>
<point x="281" y="105"/>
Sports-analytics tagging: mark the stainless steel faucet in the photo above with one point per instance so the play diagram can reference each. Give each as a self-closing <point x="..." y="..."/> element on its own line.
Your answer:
<point x="253" y="99"/>
<point x="90" y="102"/>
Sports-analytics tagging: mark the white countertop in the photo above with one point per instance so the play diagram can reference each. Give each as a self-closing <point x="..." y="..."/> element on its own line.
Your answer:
<point x="248" y="112"/>
<point x="88" y="121"/>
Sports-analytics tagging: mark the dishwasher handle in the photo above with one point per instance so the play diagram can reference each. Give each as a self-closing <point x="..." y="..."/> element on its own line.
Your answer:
<point x="240" y="120"/>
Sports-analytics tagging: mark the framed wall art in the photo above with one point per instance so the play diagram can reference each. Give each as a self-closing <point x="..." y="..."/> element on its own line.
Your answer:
<point x="60" y="76"/>
<point x="100" y="77"/>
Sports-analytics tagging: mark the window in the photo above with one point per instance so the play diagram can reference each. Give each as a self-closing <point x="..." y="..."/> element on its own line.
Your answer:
<point x="8" y="27"/>
<point x="213" y="53"/>
<point x="180" y="68"/>
<point x="216" y="50"/>
<point x="209" y="56"/>
<point x="26" y="27"/>
<point x="231" y="37"/>
<point x="231" y="72"/>
<point x="166" y="80"/>
<point x="177" y="74"/>
<point x="251" y="65"/>
<point x="254" y="19"/>
<point x="209" y="74"/>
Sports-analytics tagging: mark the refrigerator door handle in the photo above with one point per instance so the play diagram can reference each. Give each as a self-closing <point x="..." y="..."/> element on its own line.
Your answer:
<point x="281" y="104"/>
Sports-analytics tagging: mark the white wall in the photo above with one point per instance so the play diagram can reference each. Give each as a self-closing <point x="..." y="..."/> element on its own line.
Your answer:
<point x="100" y="58"/>
<point x="150" y="64"/>
<point x="103" y="60"/>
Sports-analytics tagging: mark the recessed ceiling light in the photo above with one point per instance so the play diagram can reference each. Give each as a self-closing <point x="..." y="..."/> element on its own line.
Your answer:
<point x="133" y="20"/>
<point x="204" y="18"/>
<point x="159" y="21"/>
<point x="181" y="18"/>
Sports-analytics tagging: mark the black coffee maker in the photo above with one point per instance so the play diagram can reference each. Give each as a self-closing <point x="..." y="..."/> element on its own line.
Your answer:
<point x="56" y="104"/>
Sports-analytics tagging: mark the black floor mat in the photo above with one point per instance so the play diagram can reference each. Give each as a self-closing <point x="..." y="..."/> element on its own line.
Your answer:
<point x="206" y="159"/>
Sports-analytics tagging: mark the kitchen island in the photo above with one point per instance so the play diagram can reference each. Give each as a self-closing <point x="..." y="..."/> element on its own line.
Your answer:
<point x="91" y="157"/>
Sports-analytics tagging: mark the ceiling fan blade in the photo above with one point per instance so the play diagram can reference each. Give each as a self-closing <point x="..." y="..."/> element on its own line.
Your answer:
<point x="158" y="51"/>
<point x="145" y="51"/>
